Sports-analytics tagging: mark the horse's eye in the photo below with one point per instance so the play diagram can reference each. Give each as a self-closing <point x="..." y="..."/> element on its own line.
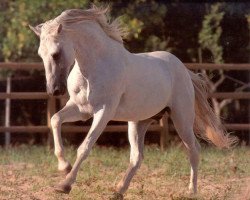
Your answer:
<point x="56" y="56"/>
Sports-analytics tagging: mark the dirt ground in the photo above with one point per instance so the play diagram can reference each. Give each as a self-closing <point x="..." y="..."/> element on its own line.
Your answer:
<point x="16" y="183"/>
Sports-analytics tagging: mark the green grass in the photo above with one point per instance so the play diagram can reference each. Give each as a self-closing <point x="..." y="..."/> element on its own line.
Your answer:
<point x="30" y="172"/>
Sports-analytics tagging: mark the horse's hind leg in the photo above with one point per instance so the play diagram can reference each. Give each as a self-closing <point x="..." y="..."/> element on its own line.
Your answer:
<point x="182" y="114"/>
<point x="136" y="134"/>
<point x="69" y="113"/>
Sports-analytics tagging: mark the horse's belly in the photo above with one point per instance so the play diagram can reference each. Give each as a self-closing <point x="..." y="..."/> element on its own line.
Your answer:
<point x="136" y="112"/>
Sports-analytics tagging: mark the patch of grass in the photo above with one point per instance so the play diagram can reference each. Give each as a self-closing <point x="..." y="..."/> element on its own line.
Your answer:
<point x="30" y="172"/>
<point x="225" y="162"/>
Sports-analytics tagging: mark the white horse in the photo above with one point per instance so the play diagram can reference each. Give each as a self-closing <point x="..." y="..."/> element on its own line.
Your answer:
<point x="106" y="82"/>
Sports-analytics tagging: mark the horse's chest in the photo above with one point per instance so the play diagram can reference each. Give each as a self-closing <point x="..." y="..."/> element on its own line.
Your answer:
<point x="80" y="97"/>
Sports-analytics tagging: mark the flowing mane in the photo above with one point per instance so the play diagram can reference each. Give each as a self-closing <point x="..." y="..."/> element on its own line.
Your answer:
<point x="112" y="28"/>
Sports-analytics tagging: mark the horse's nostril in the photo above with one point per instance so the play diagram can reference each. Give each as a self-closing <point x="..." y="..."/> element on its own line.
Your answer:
<point x="56" y="92"/>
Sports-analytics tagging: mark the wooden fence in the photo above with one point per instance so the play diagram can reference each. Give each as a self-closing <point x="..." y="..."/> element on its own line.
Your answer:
<point x="162" y="127"/>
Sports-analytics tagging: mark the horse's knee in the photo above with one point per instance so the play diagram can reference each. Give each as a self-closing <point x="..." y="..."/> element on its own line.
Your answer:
<point x="55" y="121"/>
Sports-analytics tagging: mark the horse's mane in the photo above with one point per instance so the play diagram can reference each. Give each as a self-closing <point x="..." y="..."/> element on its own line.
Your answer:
<point x="99" y="14"/>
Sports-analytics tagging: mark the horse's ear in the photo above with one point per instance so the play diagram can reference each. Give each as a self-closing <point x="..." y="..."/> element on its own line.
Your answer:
<point x="59" y="29"/>
<point x="37" y="29"/>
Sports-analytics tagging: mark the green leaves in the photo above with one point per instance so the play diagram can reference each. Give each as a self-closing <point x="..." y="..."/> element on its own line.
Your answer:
<point x="181" y="28"/>
<point x="210" y="34"/>
<point x="19" y="42"/>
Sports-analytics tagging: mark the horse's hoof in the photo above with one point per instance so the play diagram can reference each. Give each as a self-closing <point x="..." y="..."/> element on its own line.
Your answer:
<point x="116" y="196"/>
<point x="63" y="188"/>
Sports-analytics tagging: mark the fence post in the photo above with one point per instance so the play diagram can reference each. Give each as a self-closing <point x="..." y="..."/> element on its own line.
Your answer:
<point x="164" y="135"/>
<point x="51" y="109"/>
<point x="7" y="111"/>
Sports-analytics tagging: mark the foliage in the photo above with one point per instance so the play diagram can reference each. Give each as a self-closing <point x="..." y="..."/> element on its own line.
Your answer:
<point x="235" y="37"/>
<point x="19" y="41"/>
<point x="140" y="17"/>
<point x="210" y="34"/>
<point x="152" y="25"/>
<point x="224" y="37"/>
<point x="4" y="6"/>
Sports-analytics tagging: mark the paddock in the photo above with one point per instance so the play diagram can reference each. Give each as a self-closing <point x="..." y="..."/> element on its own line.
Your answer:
<point x="29" y="172"/>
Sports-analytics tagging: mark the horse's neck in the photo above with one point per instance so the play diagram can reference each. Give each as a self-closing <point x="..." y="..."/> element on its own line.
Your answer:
<point x="76" y="79"/>
<point x="93" y="49"/>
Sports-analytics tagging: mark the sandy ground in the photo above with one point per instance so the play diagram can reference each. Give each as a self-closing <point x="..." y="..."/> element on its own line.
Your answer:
<point x="16" y="182"/>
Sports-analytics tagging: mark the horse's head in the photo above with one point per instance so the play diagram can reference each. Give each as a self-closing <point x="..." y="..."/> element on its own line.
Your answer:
<point x="58" y="56"/>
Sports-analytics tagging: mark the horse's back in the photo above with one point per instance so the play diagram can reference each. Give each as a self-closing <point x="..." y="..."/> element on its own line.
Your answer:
<point x="171" y="68"/>
<point x="153" y="81"/>
<point x="179" y="73"/>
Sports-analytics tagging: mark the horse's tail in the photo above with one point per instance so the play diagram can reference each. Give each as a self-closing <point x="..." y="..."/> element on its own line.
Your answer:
<point x="207" y="125"/>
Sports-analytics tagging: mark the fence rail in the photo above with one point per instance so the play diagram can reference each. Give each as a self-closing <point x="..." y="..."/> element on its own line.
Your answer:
<point x="193" y="66"/>
<point x="44" y="95"/>
<point x="109" y="128"/>
<point x="161" y="127"/>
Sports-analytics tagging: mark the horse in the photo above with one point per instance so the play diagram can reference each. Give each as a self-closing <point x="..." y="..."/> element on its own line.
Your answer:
<point x="84" y="54"/>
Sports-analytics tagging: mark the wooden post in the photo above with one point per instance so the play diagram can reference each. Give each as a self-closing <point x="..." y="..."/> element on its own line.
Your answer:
<point x="164" y="137"/>
<point x="200" y="55"/>
<point x="51" y="109"/>
<point x="7" y="112"/>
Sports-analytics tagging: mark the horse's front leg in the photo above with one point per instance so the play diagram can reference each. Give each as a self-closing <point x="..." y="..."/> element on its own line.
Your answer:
<point x="100" y="120"/>
<point x="136" y="134"/>
<point x="69" y="113"/>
